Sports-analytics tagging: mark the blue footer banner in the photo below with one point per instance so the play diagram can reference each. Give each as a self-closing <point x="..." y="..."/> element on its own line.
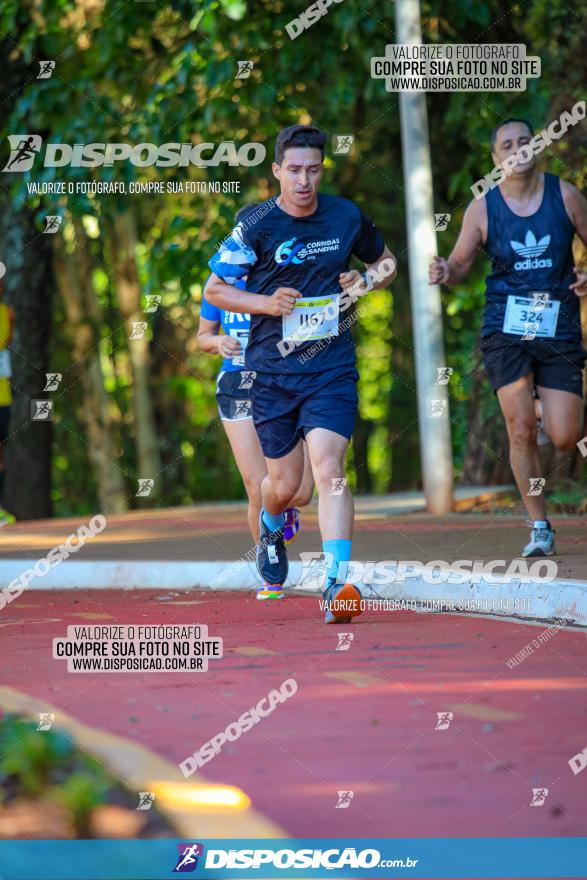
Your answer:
<point x="481" y="857"/>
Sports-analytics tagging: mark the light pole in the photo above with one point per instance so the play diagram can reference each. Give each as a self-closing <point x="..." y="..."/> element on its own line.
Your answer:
<point x="433" y="412"/>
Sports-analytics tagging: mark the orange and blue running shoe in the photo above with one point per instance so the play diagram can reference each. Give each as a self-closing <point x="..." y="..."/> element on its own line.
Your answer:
<point x="343" y="602"/>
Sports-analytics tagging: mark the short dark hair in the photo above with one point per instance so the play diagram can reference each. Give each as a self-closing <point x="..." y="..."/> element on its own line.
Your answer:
<point x="244" y="212"/>
<point x="507" y="122"/>
<point x="299" y="136"/>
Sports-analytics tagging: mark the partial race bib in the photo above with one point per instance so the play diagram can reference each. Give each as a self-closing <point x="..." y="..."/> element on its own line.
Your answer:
<point x="313" y="317"/>
<point x="243" y="338"/>
<point x="5" y="367"/>
<point x="531" y="316"/>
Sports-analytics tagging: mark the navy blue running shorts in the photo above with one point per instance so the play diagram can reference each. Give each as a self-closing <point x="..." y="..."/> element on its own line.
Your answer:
<point x="288" y="406"/>
<point x="555" y="363"/>
<point x="233" y="395"/>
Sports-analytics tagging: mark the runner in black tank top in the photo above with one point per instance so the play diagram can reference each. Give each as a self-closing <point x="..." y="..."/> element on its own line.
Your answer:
<point x="531" y="332"/>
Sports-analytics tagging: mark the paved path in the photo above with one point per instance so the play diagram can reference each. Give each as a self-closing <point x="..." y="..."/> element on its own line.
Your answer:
<point x="218" y="532"/>
<point x="363" y="720"/>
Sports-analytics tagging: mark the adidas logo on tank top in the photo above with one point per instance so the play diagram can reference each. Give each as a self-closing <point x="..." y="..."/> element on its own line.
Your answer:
<point x="532" y="250"/>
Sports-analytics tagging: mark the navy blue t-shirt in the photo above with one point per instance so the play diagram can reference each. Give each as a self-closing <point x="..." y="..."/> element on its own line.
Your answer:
<point x="275" y="249"/>
<point x="531" y="254"/>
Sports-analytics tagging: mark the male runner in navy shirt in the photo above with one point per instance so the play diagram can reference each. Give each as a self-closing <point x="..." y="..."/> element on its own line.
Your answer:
<point x="531" y="334"/>
<point x="295" y="251"/>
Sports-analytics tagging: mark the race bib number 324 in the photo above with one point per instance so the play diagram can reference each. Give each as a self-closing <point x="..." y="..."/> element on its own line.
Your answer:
<point x="530" y="317"/>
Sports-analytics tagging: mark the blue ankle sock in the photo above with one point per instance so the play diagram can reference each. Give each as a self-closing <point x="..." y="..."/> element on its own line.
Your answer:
<point x="273" y="521"/>
<point x="341" y="553"/>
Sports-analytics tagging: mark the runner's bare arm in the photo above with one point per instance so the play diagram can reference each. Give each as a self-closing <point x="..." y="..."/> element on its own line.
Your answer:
<point x="383" y="271"/>
<point x="212" y="342"/>
<point x="576" y="207"/>
<point x="207" y="337"/>
<point x="227" y="296"/>
<point x="380" y="274"/>
<point x="469" y="243"/>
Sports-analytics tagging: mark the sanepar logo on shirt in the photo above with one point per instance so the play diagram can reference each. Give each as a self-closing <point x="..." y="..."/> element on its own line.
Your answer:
<point x="289" y="252"/>
<point x="531" y="249"/>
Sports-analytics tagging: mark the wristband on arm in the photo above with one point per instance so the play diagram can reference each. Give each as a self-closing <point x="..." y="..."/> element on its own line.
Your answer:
<point x="368" y="280"/>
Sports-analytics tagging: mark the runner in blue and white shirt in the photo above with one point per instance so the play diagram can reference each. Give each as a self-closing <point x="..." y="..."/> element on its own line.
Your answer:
<point x="233" y="395"/>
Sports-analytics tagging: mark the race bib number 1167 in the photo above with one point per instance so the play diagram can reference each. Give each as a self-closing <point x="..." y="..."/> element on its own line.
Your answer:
<point x="312" y="318"/>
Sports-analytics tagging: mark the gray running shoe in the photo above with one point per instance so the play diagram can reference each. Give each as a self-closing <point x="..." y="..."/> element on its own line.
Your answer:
<point x="272" y="563"/>
<point x="541" y="543"/>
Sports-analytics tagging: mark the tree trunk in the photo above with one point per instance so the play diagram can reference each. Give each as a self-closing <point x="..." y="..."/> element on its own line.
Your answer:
<point x="28" y="284"/>
<point x="73" y="274"/>
<point x="123" y="242"/>
<point x="28" y="288"/>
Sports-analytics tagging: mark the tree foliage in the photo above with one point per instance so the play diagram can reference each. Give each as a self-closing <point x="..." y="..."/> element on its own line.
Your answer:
<point x="165" y="72"/>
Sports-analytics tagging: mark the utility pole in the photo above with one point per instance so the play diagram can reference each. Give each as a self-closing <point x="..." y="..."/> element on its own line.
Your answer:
<point x="433" y="412"/>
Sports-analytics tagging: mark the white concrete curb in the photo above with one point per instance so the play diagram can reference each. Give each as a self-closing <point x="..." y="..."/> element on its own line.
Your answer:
<point x="523" y="599"/>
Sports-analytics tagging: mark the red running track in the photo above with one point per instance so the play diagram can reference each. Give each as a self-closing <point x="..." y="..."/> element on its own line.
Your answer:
<point x="363" y="720"/>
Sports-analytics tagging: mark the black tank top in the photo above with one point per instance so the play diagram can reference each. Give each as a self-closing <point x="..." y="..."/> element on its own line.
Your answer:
<point x="531" y="254"/>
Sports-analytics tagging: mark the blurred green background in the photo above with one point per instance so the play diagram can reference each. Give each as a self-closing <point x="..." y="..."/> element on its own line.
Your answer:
<point x="163" y="72"/>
